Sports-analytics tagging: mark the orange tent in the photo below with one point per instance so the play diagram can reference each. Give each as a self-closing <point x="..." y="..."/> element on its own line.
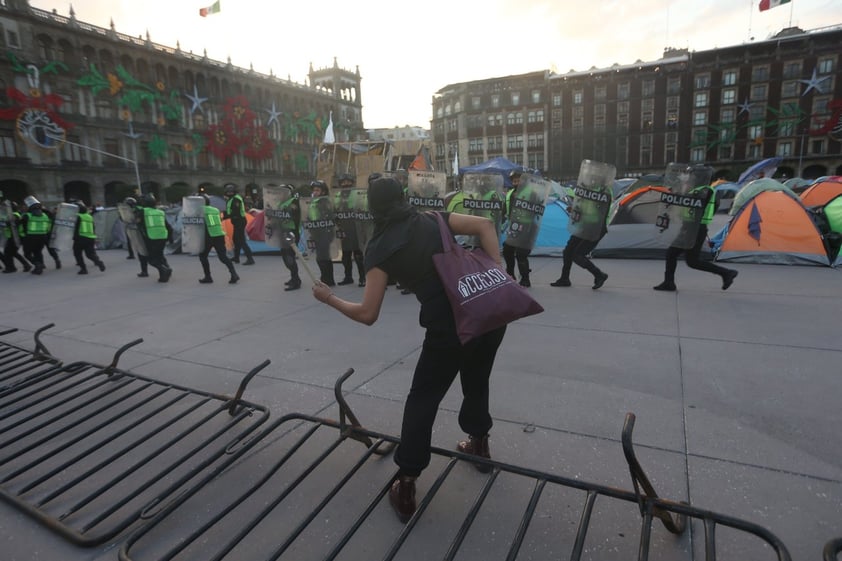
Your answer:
<point x="822" y="192"/>
<point x="229" y="230"/>
<point x="773" y="228"/>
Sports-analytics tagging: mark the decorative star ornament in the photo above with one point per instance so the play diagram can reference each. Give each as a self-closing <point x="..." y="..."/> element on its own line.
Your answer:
<point x="745" y="106"/>
<point x="273" y="114"/>
<point x="197" y="101"/>
<point x="814" y="83"/>
<point x="131" y="134"/>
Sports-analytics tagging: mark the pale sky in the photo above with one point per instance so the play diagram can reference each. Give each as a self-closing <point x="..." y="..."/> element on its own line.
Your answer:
<point x="406" y="51"/>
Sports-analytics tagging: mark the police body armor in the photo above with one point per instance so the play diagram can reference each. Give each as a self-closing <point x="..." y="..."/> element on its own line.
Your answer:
<point x="591" y="200"/>
<point x="363" y="220"/>
<point x="317" y="220"/>
<point x="193" y="225"/>
<point x="64" y="226"/>
<point x="483" y="194"/>
<point x="129" y="219"/>
<point x="525" y="211"/>
<point x="426" y="190"/>
<point x="683" y="207"/>
<point x="344" y="217"/>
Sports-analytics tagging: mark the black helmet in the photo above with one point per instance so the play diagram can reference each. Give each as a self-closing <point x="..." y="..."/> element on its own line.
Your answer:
<point x="346" y="178"/>
<point x="206" y="198"/>
<point x="320" y="185"/>
<point x="372" y="177"/>
<point x="83" y="208"/>
<point x="148" y="200"/>
<point x="230" y="189"/>
<point x="515" y="173"/>
<point x="131" y="201"/>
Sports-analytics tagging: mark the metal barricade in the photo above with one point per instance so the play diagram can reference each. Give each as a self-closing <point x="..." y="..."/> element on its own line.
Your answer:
<point x="17" y="365"/>
<point x="90" y="450"/>
<point x="303" y="489"/>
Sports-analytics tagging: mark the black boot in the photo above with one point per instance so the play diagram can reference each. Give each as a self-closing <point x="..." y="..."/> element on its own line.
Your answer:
<point x="476" y="446"/>
<point x="346" y="280"/>
<point x="402" y="497"/>
<point x="326" y="269"/>
<point x="293" y="284"/>
<point x="599" y="279"/>
<point x="234" y="277"/>
<point x="82" y="271"/>
<point x="204" y="280"/>
<point x="561" y="282"/>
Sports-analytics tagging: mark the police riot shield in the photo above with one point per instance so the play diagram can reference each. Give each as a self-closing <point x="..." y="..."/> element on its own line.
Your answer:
<point x="193" y="224"/>
<point x="64" y="226"/>
<point x="12" y="221"/>
<point x="591" y="200"/>
<point x="6" y="222"/>
<point x="344" y="218"/>
<point x="526" y="208"/>
<point x="317" y="221"/>
<point x="279" y="215"/>
<point x="683" y="206"/>
<point x="483" y="194"/>
<point x="132" y="232"/>
<point x="426" y="190"/>
<point x="363" y="220"/>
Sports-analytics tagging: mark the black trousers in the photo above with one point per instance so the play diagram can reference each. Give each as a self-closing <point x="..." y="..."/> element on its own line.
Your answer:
<point x="576" y="251"/>
<point x="512" y="255"/>
<point x="691" y="256"/>
<point x="239" y="239"/>
<point x="441" y="359"/>
<point x="350" y="256"/>
<point x="288" y="257"/>
<point x="10" y="253"/>
<point x="33" y="248"/>
<point x="156" y="257"/>
<point x="217" y="244"/>
<point x="88" y="247"/>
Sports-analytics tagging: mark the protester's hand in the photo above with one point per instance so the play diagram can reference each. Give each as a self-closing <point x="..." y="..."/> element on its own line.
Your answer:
<point x="321" y="291"/>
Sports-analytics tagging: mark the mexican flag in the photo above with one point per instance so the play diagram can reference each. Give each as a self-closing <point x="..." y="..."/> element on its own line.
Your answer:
<point x="214" y="8"/>
<point x="767" y="4"/>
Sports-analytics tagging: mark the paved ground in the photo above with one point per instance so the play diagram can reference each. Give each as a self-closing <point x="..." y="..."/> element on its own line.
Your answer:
<point x="736" y="393"/>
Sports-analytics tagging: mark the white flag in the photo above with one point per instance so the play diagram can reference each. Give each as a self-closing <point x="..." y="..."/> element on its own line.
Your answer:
<point x="456" y="163"/>
<point x="329" y="137"/>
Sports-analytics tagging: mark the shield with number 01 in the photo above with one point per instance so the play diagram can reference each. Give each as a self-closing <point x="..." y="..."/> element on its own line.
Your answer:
<point x="683" y="206"/>
<point x="591" y="200"/>
<point x="426" y="190"/>
<point x="526" y="209"/>
<point x="127" y="215"/>
<point x="64" y="226"/>
<point x="193" y="224"/>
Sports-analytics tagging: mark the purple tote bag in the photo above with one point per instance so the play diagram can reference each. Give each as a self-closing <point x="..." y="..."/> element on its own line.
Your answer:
<point x="483" y="297"/>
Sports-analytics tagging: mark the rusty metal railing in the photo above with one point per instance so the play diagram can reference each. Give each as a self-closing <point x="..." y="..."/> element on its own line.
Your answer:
<point x="18" y="365"/>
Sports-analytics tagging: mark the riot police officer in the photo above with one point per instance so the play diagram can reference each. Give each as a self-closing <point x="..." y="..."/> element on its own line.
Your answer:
<point x="347" y="232"/>
<point x="235" y="211"/>
<point x="84" y="240"/>
<point x="11" y="232"/>
<point x="318" y="212"/>
<point x="511" y="253"/>
<point x="214" y="239"/>
<point x="35" y="227"/>
<point x="155" y="230"/>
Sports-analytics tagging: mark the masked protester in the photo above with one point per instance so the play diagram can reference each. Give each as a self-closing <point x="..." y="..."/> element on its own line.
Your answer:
<point x="402" y="246"/>
<point x="235" y="211"/>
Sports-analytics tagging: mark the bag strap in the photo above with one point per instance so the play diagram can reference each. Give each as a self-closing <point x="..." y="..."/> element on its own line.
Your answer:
<point x="447" y="241"/>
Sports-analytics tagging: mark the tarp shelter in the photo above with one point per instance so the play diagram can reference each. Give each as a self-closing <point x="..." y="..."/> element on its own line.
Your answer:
<point x="495" y="165"/>
<point x="822" y="192"/>
<point x="760" y="170"/>
<point x="773" y="228"/>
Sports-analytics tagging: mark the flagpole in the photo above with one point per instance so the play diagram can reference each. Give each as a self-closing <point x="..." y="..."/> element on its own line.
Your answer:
<point x="750" y="13"/>
<point x="791" y="7"/>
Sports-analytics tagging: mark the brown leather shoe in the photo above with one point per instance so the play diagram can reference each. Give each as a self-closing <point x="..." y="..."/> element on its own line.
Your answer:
<point x="476" y="446"/>
<point x="402" y="497"/>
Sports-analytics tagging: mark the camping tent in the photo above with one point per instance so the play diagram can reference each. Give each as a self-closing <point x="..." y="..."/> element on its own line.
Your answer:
<point x="751" y="190"/>
<point x="495" y="165"/>
<point x="773" y="228"/>
<point x="553" y="233"/>
<point x="821" y="192"/>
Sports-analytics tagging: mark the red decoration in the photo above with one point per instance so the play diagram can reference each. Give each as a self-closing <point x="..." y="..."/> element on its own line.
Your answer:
<point x="239" y="131"/>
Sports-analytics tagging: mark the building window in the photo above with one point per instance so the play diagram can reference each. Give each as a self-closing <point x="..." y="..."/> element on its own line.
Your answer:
<point x="556" y="118"/>
<point x="825" y="66"/>
<point x="792" y="70"/>
<point x="820" y="106"/>
<point x="577" y="97"/>
<point x="515" y="141"/>
<point x="757" y="112"/>
<point x="700" y="118"/>
<point x="476" y="102"/>
<point x="727" y="115"/>
<point x="646" y="121"/>
<point x="599" y="93"/>
<point x="556" y="100"/>
<point x="701" y="99"/>
<point x="673" y="103"/>
<point x="758" y="92"/>
<point x="729" y="96"/>
<point x="785" y="148"/>
<point x="73" y="152"/>
<point x="536" y="96"/>
<point x="515" y="98"/>
<point x="672" y="120"/>
<point x="702" y="81"/>
<point x="726" y="152"/>
<point x="535" y="140"/>
<point x="536" y="160"/>
<point x="647" y="105"/>
<point x="495" y="100"/>
<point x="510" y="119"/>
<point x="760" y="73"/>
<point x="674" y="86"/>
<point x="7" y="144"/>
<point x="817" y="147"/>
<point x="439" y="112"/>
<point x="789" y="89"/>
<point x="475" y="144"/>
<point x="623" y="122"/>
<point x="755" y="132"/>
<point x="623" y="90"/>
<point x="648" y="88"/>
<point x="697" y="154"/>
<point x="755" y="151"/>
<point x="457" y="106"/>
<point x="786" y="127"/>
<point x="448" y="109"/>
<point x="729" y="78"/>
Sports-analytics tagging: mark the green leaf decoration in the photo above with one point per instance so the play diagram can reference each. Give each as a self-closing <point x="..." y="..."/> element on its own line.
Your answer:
<point x="130" y="80"/>
<point x="94" y="80"/>
<point x="158" y="147"/>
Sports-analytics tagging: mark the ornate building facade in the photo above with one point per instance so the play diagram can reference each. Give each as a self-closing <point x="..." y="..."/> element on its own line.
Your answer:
<point x="90" y="113"/>
<point x="727" y="107"/>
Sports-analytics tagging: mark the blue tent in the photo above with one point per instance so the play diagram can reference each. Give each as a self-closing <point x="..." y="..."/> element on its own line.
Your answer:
<point x="495" y="165"/>
<point x="553" y="234"/>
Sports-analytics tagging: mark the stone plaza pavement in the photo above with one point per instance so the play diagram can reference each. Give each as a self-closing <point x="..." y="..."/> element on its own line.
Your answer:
<point x="736" y="393"/>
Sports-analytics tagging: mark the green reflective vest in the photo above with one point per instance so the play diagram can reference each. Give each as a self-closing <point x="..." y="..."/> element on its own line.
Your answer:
<point x="213" y="222"/>
<point x="86" y="226"/>
<point x="37" y="225"/>
<point x="230" y="203"/>
<point x="156" y="223"/>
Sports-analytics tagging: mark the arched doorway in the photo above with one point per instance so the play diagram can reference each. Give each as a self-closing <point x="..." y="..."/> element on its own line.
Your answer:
<point x="177" y="191"/>
<point x="79" y="191"/>
<point x="152" y="187"/>
<point x="814" y="172"/>
<point x="784" y="172"/>
<point x="117" y="191"/>
<point x="13" y="190"/>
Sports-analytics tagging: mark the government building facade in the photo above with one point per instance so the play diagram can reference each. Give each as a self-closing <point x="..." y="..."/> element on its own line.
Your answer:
<point x="90" y="113"/>
<point x="727" y="107"/>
